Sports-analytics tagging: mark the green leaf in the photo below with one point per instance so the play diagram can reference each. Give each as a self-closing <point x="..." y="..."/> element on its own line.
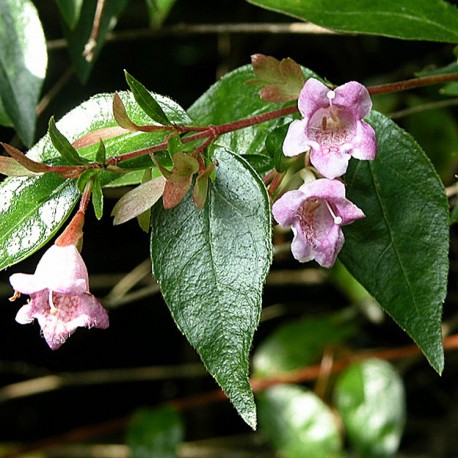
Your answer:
<point x="399" y="252"/>
<point x="371" y="401"/>
<point x="298" y="344"/>
<point x="146" y="101"/>
<point x="23" y="61"/>
<point x="79" y="35"/>
<point x="32" y="209"/>
<point x="155" y="433"/>
<point x="211" y="264"/>
<point x="298" y="423"/>
<point x="97" y="197"/>
<point x="101" y="155"/>
<point x="63" y="146"/>
<point x="434" y="20"/>
<point x="70" y="11"/>
<point x="158" y="11"/>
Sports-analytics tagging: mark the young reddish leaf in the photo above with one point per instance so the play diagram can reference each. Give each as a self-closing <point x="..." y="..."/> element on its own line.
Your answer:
<point x="99" y="135"/>
<point x="29" y="164"/>
<point x="138" y="200"/>
<point x="176" y="188"/>
<point x="12" y="168"/>
<point x="283" y="80"/>
<point x="120" y="114"/>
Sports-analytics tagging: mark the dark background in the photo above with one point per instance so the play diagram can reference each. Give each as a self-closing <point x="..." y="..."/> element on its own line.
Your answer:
<point x="183" y="66"/>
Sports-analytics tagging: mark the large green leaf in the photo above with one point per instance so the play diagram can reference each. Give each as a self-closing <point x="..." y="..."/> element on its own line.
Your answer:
<point x="298" y="423"/>
<point x="211" y="264"/>
<point x="399" y="252"/>
<point x="33" y="208"/>
<point x="23" y="61"/>
<point x="78" y="36"/>
<point x="371" y="401"/>
<point x="434" y="20"/>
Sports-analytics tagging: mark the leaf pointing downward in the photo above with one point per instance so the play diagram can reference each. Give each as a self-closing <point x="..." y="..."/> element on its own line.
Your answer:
<point x="211" y="264"/>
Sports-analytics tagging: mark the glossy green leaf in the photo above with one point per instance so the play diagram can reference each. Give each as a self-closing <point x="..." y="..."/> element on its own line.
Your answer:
<point x="70" y="11"/>
<point x="79" y="35"/>
<point x="63" y="146"/>
<point x="298" y="344"/>
<point x="371" y="401"/>
<point x="399" y="252"/>
<point x="32" y="209"/>
<point x="158" y="11"/>
<point x="155" y="433"/>
<point x="211" y="264"/>
<point x="23" y="62"/>
<point x="244" y="101"/>
<point x="146" y="101"/>
<point x="434" y="20"/>
<point x="298" y="423"/>
<point x="97" y="197"/>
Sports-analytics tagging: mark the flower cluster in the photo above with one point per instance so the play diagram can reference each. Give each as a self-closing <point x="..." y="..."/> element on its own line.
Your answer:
<point x="332" y="130"/>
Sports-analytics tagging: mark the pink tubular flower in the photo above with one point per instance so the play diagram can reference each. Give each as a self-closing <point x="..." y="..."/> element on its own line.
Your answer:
<point x="316" y="212"/>
<point x="59" y="296"/>
<point x="332" y="127"/>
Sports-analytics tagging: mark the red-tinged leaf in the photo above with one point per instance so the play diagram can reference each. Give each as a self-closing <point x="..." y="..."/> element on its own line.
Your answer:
<point x="283" y="80"/>
<point x="120" y="114"/>
<point x="28" y="163"/>
<point x="99" y="135"/>
<point x="176" y="188"/>
<point x="12" y="168"/>
<point x="138" y="200"/>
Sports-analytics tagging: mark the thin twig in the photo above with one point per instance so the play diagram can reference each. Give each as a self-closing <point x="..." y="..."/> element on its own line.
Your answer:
<point x="90" y="46"/>
<point x="424" y="107"/>
<point x="296" y="28"/>
<point x="54" y="382"/>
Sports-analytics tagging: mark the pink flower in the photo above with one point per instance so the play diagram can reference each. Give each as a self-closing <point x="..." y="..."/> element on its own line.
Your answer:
<point x="59" y="296"/>
<point x="316" y="212"/>
<point x="332" y="127"/>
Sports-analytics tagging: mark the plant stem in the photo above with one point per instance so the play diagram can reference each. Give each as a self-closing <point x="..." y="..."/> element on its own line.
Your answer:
<point x="412" y="83"/>
<point x="212" y="132"/>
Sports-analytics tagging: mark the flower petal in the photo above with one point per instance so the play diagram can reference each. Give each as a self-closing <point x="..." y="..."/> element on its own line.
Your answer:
<point x="365" y="145"/>
<point x="312" y="97"/>
<point x="331" y="164"/>
<point x="26" y="283"/>
<point x="355" y="98"/>
<point x="296" y="141"/>
<point x="329" y="247"/>
<point x="62" y="269"/>
<point x="285" y="209"/>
